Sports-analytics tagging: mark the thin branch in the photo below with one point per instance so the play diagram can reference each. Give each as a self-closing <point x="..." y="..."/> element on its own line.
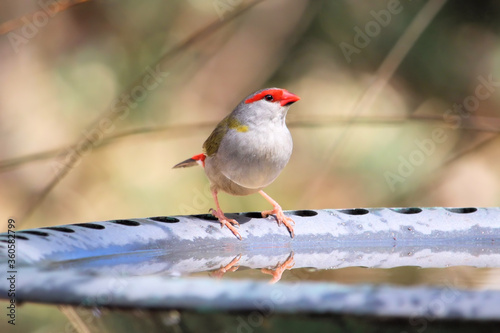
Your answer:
<point x="382" y="77"/>
<point x="176" y="131"/>
<point x="85" y="143"/>
<point x="55" y="8"/>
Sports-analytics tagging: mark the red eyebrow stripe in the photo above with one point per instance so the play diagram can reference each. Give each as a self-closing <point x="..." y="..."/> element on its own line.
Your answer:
<point x="276" y="93"/>
<point x="200" y="158"/>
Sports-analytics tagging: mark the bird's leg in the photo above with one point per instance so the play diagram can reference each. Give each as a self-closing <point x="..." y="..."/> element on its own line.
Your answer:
<point x="278" y="212"/>
<point x="224" y="221"/>
<point x="277" y="272"/>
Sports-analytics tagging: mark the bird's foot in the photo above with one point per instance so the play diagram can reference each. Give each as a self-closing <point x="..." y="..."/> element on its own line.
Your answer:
<point x="219" y="273"/>
<point x="280" y="218"/>
<point x="277" y="272"/>
<point x="224" y="221"/>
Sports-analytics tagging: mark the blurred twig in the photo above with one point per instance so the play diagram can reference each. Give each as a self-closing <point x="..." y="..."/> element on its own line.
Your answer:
<point x="435" y="173"/>
<point x="382" y="77"/>
<point x="173" y="131"/>
<point x="468" y="150"/>
<point x="50" y="9"/>
<point x="176" y="131"/>
<point x="74" y="318"/>
<point x="85" y="143"/>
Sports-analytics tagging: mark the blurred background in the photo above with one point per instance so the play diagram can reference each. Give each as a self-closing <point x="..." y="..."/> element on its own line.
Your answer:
<point x="63" y="67"/>
<point x="99" y="99"/>
<point x="426" y="136"/>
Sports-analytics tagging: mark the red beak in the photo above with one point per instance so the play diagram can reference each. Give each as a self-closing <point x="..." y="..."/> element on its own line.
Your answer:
<point x="288" y="98"/>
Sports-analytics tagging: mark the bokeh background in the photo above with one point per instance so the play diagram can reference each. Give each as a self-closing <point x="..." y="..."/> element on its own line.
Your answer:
<point x="63" y="68"/>
<point x="64" y="65"/>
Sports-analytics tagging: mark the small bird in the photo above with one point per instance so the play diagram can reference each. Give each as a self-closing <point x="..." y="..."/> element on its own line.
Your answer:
<point x="247" y="151"/>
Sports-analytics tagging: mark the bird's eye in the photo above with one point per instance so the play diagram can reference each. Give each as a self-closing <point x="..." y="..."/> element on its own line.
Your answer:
<point x="269" y="98"/>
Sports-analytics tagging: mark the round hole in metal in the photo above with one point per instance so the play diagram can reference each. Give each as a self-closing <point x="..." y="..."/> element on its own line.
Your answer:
<point x="21" y="237"/>
<point x="165" y="219"/>
<point x="208" y="217"/>
<point x="90" y="226"/>
<point x="61" y="229"/>
<point x="128" y="223"/>
<point x="462" y="210"/>
<point x="34" y="232"/>
<point x="305" y="213"/>
<point x="409" y="210"/>
<point x="355" y="211"/>
<point x="253" y="215"/>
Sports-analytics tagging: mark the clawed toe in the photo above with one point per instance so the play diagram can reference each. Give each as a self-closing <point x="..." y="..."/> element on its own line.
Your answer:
<point x="278" y="212"/>
<point x="224" y="221"/>
<point x="281" y="218"/>
<point x="233" y="222"/>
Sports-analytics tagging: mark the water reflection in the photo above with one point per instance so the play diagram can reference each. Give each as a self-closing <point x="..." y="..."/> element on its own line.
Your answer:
<point x="469" y="278"/>
<point x="346" y="268"/>
<point x="183" y="263"/>
<point x="231" y="267"/>
<point x="276" y="271"/>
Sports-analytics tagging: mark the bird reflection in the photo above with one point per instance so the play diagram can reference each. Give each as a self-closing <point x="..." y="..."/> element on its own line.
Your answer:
<point x="219" y="273"/>
<point x="276" y="272"/>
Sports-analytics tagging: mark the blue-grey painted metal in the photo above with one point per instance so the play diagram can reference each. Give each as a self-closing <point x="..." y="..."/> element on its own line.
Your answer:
<point x="77" y="263"/>
<point x="159" y="292"/>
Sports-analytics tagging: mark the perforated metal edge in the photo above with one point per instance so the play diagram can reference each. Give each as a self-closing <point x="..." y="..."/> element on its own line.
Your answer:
<point x="132" y="253"/>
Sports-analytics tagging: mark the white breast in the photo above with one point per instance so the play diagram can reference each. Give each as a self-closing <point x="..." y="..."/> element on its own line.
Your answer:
<point x="254" y="159"/>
